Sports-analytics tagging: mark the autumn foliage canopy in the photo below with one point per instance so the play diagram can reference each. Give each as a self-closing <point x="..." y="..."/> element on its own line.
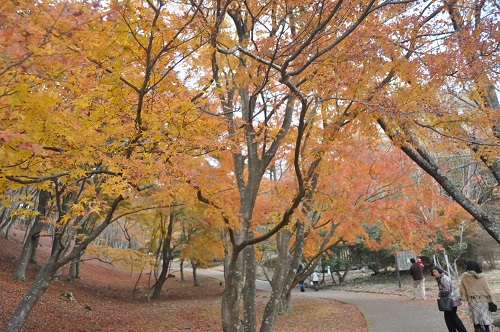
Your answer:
<point x="299" y="123"/>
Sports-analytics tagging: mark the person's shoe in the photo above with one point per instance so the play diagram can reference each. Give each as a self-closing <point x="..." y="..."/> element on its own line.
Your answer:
<point x="414" y="298"/>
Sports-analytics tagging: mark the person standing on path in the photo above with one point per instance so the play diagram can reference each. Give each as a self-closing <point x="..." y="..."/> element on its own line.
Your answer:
<point x="315" y="280"/>
<point x="475" y="290"/>
<point x="448" y="289"/>
<point x="417" y="273"/>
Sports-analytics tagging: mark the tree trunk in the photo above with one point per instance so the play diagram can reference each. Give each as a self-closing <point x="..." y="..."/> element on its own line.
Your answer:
<point x="195" y="273"/>
<point x="231" y="295"/>
<point x="285" y="276"/>
<point x="342" y="274"/>
<point x="28" y="228"/>
<point x="5" y="220"/>
<point x="181" y="267"/>
<point x="59" y="247"/>
<point x="249" y="291"/>
<point x="38" y="287"/>
<point x="34" y="232"/>
<point x="77" y="266"/>
<point x="34" y="249"/>
<point x="10" y="223"/>
<point x="271" y="310"/>
<point x="285" y="305"/>
<point x="333" y="278"/>
<point x="73" y="269"/>
<point x="166" y="257"/>
<point x="278" y="283"/>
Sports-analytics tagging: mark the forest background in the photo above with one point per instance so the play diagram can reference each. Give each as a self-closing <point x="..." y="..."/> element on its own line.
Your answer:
<point x="249" y="132"/>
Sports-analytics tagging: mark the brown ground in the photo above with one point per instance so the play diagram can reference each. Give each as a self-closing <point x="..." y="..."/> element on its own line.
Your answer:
<point x="103" y="302"/>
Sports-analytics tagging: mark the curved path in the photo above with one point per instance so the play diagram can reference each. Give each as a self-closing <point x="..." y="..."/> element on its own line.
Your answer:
<point x="388" y="313"/>
<point x="383" y="313"/>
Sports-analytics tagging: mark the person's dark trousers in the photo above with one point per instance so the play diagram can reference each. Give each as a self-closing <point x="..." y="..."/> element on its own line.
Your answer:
<point x="316" y="287"/>
<point x="302" y="289"/>
<point x="482" y="328"/>
<point x="453" y="322"/>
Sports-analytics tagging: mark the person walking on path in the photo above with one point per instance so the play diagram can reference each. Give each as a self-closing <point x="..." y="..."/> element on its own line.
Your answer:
<point x="475" y="290"/>
<point x="300" y="271"/>
<point x="448" y="289"/>
<point x="417" y="273"/>
<point x="315" y="280"/>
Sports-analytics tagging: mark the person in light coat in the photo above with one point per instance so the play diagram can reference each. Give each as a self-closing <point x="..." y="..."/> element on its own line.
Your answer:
<point x="315" y="280"/>
<point x="475" y="290"/>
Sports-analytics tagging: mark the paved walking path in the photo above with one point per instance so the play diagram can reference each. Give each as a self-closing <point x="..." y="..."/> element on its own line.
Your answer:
<point x="383" y="313"/>
<point x="391" y="313"/>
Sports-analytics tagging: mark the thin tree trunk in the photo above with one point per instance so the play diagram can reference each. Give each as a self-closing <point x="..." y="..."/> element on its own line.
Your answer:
<point x="278" y="283"/>
<point x="10" y="223"/>
<point x="30" y="225"/>
<point x="195" y="273"/>
<point x="249" y="291"/>
<point x="74" y="269"/>
<point x="61" y="249"/>
<point x="34" y="232"/>
<point x="166" y="257"/>
<point x="4" y="219"/>
<point x="77" y="266"/>
<point x="136" y="286"/>
<point x="285" y="276"/>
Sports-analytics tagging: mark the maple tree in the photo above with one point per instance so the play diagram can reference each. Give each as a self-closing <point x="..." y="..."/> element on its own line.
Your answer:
<point x="165" y="248"/>
<point x="91" y="122"/>
<point x="446" y="109"/>
<point x="378" y="188"/>
<point x="272" y="61"/>
<point x="300" y="52"/>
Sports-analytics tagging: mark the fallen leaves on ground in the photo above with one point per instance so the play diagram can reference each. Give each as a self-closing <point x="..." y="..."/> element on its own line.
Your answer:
<point x="102" y="301"/>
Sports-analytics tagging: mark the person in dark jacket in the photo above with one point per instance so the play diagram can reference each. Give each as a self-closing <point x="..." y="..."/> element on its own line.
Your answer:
<point x="417" y="273"/>
<point x="300" y="272"/>
<point x="448" y="289"/>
